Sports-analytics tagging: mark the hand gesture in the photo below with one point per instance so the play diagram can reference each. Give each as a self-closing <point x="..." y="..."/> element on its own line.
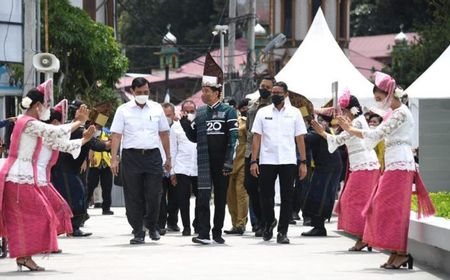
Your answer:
<point x="82" y="114"/>
<point x="89" y="133"/>
<point x="318" y="128"/>
<point x="344" y="122"/>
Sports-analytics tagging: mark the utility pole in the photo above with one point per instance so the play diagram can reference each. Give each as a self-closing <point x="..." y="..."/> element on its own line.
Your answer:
<point x="30" y="43"/>
<point x="231" y="38"/>
<point x="251" y="37"/>
<point x="221" y="30"/>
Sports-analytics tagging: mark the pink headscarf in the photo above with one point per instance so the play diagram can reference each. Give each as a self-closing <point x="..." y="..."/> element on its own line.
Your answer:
<point x="46" y="88"/>
<point x="63" y="108"/>
<point x="386" y="83"/>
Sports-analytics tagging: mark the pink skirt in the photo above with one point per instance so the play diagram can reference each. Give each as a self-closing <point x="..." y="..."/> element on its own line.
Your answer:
<point x="60" y="207"/>
<point x="388" y="211"/>
<point x="29" y="221"/>
<point x="358" y="189"/>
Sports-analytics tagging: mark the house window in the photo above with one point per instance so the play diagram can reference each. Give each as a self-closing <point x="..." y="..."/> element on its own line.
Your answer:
<point x="288" y="19"/>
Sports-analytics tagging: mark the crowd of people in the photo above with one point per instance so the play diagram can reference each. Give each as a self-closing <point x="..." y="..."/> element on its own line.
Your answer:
<point x="234" y="154"/>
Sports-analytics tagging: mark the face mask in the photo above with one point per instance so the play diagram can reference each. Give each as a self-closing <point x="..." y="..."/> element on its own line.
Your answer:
<point x="244" y="114"/>
<point x="44" y="115"/>
<point x="264" y="93"/>
<point x="277" y="99"/>
<point x="191" y="117"/>
<point x="371" y="126"/>
<point x="97" y="133"/>
<point x="170" y="121"/>
<point x="141" y="99"/>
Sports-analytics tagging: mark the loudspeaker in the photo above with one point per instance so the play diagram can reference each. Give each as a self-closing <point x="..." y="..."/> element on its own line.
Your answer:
<point x="46" y="62"/>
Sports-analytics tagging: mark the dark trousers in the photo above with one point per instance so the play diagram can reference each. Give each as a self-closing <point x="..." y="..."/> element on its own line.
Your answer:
<point x="267" y="177"/>
<point x="70" y="185"/>
<point x="318" y="222"/>
<point x="220" y="184"/>
<point x="252" y="187"/>
<point x="168" y="209"/>
<point x="104" y="176"/>
<point x="183" y="192"/>
<point x="142" y="177"/>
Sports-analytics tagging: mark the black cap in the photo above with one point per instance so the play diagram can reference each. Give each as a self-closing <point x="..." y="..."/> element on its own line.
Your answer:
<point x="76" y="104"/>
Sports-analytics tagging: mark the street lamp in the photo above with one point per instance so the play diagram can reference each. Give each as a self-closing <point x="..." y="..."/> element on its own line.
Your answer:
<point x="221" y="30"/>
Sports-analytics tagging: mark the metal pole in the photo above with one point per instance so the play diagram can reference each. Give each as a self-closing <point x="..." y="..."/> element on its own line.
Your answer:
<point x="30" y="30"/>
<point x="231" y="37"/>
<point x="251" y="36"/>
<point x="222" y="50"/>
<point x="46" y="25"/>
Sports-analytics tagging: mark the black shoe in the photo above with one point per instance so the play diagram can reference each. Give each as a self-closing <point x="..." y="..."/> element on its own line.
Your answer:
<point x="237" y="231"/>
<point x="259" y="232"/>
<point x="162" y="231"/>
<point x="282" y="238"/>
<point x="295" y="216"/>
<point x="218" y="239"/>
<point x="80" y="233"/>
<point x="137" y="240"/>
<point x="307" y="222"/>
<point x="268" y="231"/>
<point x="97" y="205"/>
<point x="203" y="241"/>
<point x="186" y="232"/>
<point x="315" y="232"/>
<point x="292" y="222"/>
<point x="154" y="235"/>
<point x="107" y="212"/>
<point x="173" y="228"/>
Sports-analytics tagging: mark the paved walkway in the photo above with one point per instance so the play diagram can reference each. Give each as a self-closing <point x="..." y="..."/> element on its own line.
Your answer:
<point x="108" y="255"/>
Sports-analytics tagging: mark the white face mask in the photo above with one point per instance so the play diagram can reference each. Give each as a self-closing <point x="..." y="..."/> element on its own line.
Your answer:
<point x="191" y="117"/>
<point x="141" y="99"/>
<point x="97" y="133"/>
<point x="45" y="114"/>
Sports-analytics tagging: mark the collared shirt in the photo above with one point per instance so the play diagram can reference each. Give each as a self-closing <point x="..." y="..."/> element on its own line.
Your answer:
<point x="251" y="114"/>
<point x="182" y="151"/>
<point x="140" y="127"/>
<point x="278" y="129"/>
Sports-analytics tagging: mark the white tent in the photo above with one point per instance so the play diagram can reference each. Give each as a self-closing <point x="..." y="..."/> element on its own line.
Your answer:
<point x="434" y="82"/>
<point x="318" y="62"/>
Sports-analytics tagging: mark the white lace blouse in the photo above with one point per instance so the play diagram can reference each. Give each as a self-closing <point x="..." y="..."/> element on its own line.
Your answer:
<point x="21" y="171"/>
<point x="397" y="132"/>
<point x="72" y="147"/>
<point x="359" y="157"/>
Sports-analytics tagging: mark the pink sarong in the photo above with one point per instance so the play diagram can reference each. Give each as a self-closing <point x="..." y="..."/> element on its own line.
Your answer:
<point x="388" y="211"/>
<point x="60" y="207"/>
<point x="29" y="221"/>
<point x="358" y="189"/>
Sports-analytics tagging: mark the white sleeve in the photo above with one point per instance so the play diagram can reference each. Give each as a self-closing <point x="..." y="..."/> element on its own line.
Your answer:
<point x="257" y="123"/>
<point x="163" y="123"/>
<point x="52" y="132"/>
<point x="118" y="122"/>
<point x="335" y="141"/>
<point x="72" y="147"/>
<point x="300" y="127"/>
<point x="372" y="137"/>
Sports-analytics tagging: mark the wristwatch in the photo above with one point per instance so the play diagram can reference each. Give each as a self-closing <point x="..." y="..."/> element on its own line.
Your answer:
<point x="253" y="161"/>
<point x="303" y="161"/>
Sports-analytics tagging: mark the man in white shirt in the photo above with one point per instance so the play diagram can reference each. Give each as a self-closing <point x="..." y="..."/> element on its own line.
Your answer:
<point x="139" y="125"/>
<point x="276" y="131"/>
<point x="184" y="167"/>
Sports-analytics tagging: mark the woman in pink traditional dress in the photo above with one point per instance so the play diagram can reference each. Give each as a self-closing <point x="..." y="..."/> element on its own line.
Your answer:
<point x="388" y="211"/>
<point x="363" y="173"/>
<point x="27" y="219"/>
<point x="47" y="159"/>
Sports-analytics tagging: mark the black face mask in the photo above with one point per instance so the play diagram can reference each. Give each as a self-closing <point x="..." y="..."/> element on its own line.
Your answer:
<point x="277" y="99"/>
<point x="244" y="114"/>
<point x="264" y="93"/>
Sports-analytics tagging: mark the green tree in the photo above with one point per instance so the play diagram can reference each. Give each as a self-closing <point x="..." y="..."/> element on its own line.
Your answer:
<point x="410" y="61"/>
<point x="374" y="17"/>
<point x="91" y="58"/>
<point x="142" y="26"/>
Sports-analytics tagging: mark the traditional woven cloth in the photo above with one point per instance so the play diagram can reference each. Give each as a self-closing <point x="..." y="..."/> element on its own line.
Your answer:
<point x="204" y="175"/>
<point x="354" y="197"/>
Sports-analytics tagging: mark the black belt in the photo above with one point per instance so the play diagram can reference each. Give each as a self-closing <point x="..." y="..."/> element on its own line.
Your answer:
<point x="141" y="151"/>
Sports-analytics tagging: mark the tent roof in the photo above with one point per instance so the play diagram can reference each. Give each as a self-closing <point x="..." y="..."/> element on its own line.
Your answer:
<point x="318" y="62"/>
<point x="433" y="83"/>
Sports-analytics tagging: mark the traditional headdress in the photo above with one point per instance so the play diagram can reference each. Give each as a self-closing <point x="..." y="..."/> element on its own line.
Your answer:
<point x="387" y="84"/>
<point x="46" y="88"/>
<point x="212" y="73"/>
<point x="63" y="108"/>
